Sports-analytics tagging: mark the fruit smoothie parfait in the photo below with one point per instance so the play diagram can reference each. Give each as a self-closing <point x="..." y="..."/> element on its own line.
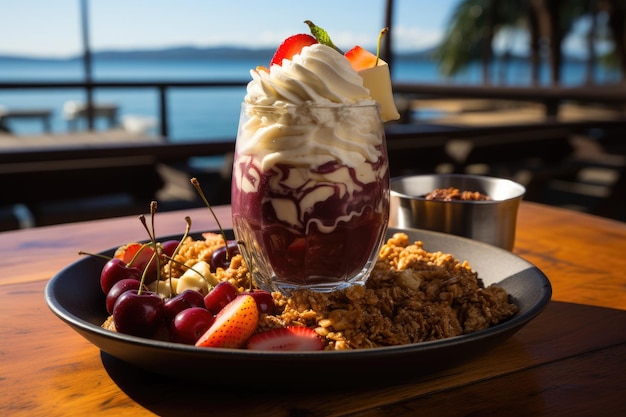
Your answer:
<point x="310" y="192"/>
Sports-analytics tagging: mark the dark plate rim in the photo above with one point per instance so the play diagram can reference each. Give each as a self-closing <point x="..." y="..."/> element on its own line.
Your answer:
<point x="510" y="325"/>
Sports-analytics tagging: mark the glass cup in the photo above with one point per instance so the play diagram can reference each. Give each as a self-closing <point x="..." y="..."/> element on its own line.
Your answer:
<point x="310" y="194"/>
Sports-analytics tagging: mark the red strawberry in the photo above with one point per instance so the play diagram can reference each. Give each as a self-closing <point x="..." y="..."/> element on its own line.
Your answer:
<point x="233" y="325"/>
<point x="140" y="255"/>
<point x="360" y="58"/>
<point x="127" y="252"/>
<point x="292" y="46"/>
<point x="294" y="338"/>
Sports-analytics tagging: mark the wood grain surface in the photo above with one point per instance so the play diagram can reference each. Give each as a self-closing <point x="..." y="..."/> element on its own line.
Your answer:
<point x="569" y="361"/>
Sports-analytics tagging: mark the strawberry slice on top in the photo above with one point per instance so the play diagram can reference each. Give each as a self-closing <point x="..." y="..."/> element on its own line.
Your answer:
<point x="292" y="46"/>
<point x="361" y="58"/>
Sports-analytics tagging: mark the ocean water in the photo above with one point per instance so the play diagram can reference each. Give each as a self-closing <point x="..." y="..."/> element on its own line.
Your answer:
<point x="210" y="113"/>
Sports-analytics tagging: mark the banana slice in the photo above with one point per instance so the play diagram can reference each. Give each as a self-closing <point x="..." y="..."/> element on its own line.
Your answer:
<point x="378" y="80"/>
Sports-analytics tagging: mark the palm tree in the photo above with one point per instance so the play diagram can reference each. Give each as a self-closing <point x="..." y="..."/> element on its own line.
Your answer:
<point x="563" y="15"/>
<point x="591" y="39"/>
<point x="462" y="41"/>
<point x="471" y="30"/>
<point x="616" y="10"/>
<point x="474" y="24"/>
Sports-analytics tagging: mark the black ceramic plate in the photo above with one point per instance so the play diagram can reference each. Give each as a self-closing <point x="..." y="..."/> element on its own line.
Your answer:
<point x="75" y="296"/>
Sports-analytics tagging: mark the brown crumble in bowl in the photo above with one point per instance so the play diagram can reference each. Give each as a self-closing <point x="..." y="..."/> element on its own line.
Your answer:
<point x="452" y="193"/>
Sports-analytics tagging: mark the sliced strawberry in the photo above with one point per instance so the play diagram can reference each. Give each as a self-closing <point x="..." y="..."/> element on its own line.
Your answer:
<point x="140" y="255"/>
<point x="360" y="58"/>
<point x="127" y="252"/>
<point x="233" y="325"/>
<point x="292" y="46"/>
<point x="293" y="338"/>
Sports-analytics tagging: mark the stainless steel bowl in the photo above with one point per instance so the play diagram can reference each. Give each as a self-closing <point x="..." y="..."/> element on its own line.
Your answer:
<point x="490" y="221"/>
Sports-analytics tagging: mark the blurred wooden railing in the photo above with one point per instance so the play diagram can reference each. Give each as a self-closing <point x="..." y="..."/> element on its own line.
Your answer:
<point x="412" y="146"/>
<point x="162" y="88"/>
<point x="550" y="97"/>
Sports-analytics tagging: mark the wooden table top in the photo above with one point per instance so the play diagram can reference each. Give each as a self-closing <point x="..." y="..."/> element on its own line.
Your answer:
<point x="569" y="361"/>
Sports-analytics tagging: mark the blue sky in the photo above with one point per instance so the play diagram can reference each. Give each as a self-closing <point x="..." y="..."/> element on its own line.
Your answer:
<point x="52" y="27"/>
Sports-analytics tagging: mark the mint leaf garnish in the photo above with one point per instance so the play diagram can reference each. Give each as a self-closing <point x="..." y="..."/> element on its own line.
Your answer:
<point x="322" y="36"/>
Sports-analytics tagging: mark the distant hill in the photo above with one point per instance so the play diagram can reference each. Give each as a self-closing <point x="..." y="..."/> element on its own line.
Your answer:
<point x="186" y="52"/>
<point x="212" y="53"/>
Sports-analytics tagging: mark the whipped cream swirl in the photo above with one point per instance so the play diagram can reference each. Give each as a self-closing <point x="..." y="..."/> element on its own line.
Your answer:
<point x="318" y="74"/>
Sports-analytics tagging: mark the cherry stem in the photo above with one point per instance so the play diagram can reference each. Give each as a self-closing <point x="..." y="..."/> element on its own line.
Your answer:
<point x="144" y="273"/>
<point x="153" y="208"/>
<point x="136" y="255"/>
<point x="150" y="230"/>
<point x="244" y="253"/>
<point x="171" y="259"/>
<point x="380" y="37"/>
<point x="196" y="184"/>
<point x="98" y="255"/>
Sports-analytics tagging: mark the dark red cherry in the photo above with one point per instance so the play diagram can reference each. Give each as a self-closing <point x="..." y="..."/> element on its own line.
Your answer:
<point x="121" y="287"/>
<point x="146" y="261"/>
<point x="116" y="270"/>
<point x="222" y="294"/>
<point x="138" y="314"/>
<point x="169" y="246"/>
<point x="184" y="300"/>
<point x="140" y="256"/>
<point x="218" y="257"/>
<point x="190" y="324"/>
<point x="264" y="301"/>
